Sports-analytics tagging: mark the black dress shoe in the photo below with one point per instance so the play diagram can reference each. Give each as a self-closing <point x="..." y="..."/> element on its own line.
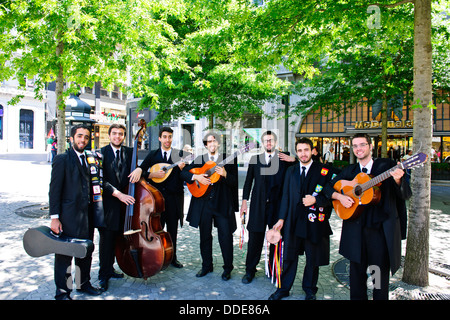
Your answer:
<point x="116" y="275"/>
<point x="177" y="264"/>
<point x="310" y="296"/>
<point x="65" y="296"/>
<point x="90" y="290"/>
<point x="248" y="277"/>
<point x="203" y="272"/>
<point x="226" y="275"/>
<point x="278" y="295"/>
<point x="103" y="285"/>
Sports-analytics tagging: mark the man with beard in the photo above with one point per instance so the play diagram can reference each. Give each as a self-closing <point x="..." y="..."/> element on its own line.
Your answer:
<point x="71" y="210"/>
<point x="116" y="168"/>
<point x="218" y="206"/>
<point x="374" y="237"/>
<point x="266" y="173"/>
<point x="304" y="214"/>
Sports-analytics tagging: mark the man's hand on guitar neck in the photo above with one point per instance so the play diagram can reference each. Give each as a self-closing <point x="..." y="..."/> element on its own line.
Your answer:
<point x="397" y="174"/>
<point x="345" y="200"/>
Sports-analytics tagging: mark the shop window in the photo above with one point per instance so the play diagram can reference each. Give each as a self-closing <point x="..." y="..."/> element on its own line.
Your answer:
<point x="26" y="126"/>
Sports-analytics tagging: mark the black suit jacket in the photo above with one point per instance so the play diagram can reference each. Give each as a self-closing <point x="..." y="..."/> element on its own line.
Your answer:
<point x="174" y="183"/>
<point x="70" y="195"/>
<point x="224" y="201"/>
<point x="112" y="179"/>
<point x="173" y="187"/>
<point x="389" y="214"/>
<point x="311" y="222"/>
<point x="267" y="181"/>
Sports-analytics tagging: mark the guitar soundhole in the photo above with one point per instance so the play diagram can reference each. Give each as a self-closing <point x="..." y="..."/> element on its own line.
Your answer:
<point x="358" y="191"/>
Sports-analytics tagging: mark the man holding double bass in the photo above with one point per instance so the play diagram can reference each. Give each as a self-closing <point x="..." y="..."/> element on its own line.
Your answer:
<point x="116" y="168"/>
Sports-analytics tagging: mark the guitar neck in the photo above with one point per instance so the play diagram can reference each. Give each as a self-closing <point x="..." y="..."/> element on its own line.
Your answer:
<point x="228" y="159"/>
<point x="177" y="163"/>
<point x="173" y="165"/>
<point x="381" y="177"/>
<point x="224" y="162"/>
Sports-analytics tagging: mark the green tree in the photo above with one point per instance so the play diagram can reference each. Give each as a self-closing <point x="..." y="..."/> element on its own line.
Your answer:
<point x="212" y="86"/>
<point x="79" y="42"/>
<point x="356" y="71"/>
<point x="300" y="33"/>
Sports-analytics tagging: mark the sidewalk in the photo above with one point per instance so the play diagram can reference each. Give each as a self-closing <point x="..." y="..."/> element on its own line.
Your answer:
<point x="24" y="182"/>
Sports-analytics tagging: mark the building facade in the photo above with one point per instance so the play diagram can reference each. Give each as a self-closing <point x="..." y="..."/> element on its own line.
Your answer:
<point x="328" y="132"/>
<point x="22" y="126"/>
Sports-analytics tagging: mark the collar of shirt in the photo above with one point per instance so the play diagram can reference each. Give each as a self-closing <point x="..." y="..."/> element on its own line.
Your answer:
<point x="168" y="153"/>
<point x="79" y="154"/>
<point x="267" y="156"/>
<point x="367" y="166"/>
<point x="114" y="149"/>
<point x="212" y="156"/>
<point x="307" y="167"/>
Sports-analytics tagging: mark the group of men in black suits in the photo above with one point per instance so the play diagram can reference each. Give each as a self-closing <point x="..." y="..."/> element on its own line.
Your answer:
<point x="287" y="194"/>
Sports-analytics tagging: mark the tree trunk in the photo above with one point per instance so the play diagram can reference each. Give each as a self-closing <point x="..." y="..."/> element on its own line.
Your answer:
<point x="384" y="121"/>
<point x="60" y="105"/>
<point x="60" y="112"/>
<point x="417" y="249"/>
<point x="211" y="122"/>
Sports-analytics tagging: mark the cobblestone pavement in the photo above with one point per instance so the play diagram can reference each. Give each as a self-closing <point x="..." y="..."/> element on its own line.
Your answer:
<point x="24" y="182"/>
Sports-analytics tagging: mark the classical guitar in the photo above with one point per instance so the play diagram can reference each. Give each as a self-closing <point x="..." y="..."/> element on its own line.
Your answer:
<point x="167" y="168"/>
<point x="199" y="190"/>
<point x="365" y="190"/>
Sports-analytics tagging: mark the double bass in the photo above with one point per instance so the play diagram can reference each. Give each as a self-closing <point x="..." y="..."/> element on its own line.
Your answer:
<point x="144" y="248"/>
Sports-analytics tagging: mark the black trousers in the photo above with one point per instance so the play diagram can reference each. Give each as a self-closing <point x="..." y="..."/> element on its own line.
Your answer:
<point x="170" y="217"/>
<point x="254" y="248"/>
<point x="256" y="242"/>
<point x="63" y="274"/>
<point x="206" y="240"/>
<point x="375" y="256"/>
<point x="316" y="255"/>
<point x="107" y="255"/>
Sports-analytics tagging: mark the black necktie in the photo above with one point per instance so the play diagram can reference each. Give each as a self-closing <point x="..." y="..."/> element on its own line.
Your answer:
<point x="270" y="158"/>
<point x="165" y="156"/>
<point x="118" y="161"/>
<point x="364" y="170"/>
<point x="83" y="163"/>
<point x="302" y="179"/>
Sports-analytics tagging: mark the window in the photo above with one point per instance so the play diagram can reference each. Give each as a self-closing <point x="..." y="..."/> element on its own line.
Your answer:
<point x="26" y="126"/>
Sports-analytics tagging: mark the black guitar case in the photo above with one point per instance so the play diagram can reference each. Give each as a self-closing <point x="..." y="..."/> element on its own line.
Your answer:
<point x="41" y="241"/>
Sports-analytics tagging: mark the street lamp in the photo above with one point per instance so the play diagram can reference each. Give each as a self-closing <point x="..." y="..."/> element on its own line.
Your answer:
<point x="78" y="112"/>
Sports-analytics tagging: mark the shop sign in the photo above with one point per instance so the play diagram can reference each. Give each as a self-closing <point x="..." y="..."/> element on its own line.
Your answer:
<point x="390" y="124"/>
<point x="107" y="118"/>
